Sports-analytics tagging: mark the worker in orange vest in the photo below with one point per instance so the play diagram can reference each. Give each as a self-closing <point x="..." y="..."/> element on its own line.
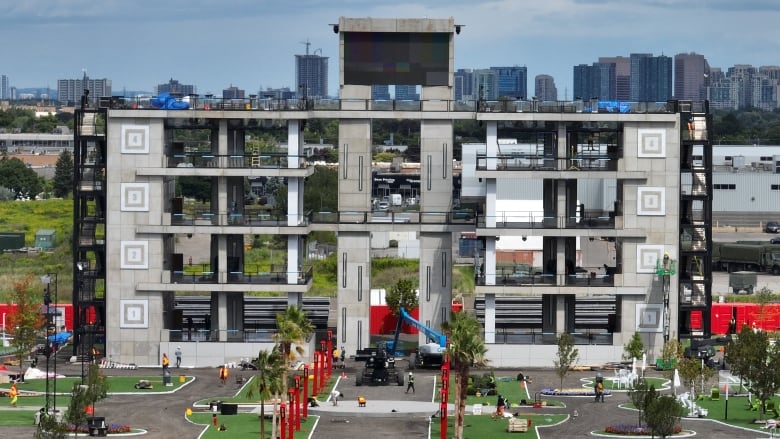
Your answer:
<point x="165" y="361"/>
<point x="223" y="374"/>
<point x="14" y="395"/>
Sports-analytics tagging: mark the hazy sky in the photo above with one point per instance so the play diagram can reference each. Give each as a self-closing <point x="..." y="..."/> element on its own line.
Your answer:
<point x="251" y="43"/>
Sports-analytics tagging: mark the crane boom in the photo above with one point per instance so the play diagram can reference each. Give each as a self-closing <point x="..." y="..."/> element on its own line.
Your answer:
<point x="404" y="316"/>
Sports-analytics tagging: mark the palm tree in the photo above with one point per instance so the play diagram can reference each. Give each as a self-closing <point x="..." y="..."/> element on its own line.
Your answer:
<point x="292" y="328"/>
<point x="268" y="382"/>
<point x="466" y="349"/>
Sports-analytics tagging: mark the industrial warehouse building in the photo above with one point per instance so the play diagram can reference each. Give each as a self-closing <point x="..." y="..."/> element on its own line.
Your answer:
<point x="609" y="191"/>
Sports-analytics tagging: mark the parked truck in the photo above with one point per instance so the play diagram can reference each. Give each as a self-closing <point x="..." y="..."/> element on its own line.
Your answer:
<point x="741" y="256"/>
<point x="743" y="281"/>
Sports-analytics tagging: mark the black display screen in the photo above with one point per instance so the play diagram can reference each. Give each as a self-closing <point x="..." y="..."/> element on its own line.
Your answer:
<point x="390" y="58"/>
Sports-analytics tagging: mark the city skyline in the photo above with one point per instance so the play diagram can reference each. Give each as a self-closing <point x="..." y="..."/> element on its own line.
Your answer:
<point x="252" y="45"/>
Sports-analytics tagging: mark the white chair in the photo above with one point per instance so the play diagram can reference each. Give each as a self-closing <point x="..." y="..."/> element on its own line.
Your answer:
<point x="476" y="409"/>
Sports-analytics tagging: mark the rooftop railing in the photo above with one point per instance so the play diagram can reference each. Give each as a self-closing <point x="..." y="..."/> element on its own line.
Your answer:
<point x="503" y="105"/>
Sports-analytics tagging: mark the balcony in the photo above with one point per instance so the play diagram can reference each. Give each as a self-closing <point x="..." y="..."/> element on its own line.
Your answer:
<point x="540" y="221"/>
<point x="457" y="216"/>
<point x="542" y="162"/>
<point x="275" y="160"/>
<point x="305" y="104"/>
<point x="254" y="274"/>
<point x="206" y="217"/>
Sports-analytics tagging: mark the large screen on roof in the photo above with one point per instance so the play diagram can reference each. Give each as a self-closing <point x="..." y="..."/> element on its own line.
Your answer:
<point x="390" y="58"/>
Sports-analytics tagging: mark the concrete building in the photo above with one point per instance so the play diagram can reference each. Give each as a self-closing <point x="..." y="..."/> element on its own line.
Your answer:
<point x="691" y="77"/>
<point x="652" y="201"/>
<point x="544" y="88"/>
<point x="71" y="90"/>
<point x="311" y="74"/>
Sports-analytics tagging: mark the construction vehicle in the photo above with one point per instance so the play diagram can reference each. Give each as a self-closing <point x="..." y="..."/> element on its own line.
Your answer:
<point x="380" y="369"/>
<point x="746" y="256"/>
<point x="427" y="355"/>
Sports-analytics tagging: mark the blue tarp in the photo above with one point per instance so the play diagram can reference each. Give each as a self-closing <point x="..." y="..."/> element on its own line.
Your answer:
<point x="165" y="101"/>
<point x="60" y="337"/>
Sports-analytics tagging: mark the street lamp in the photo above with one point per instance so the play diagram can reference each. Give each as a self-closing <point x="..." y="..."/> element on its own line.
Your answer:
<point x="51" y="340"/>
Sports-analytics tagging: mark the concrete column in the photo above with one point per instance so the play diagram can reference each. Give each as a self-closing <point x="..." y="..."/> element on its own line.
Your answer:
<point x="490" y="203"/>
<point x="354" y="295"/>
<point x="549" y="313"/>
<point x="491" y="144"/>
<point x="490" y="260"/>
<point x="435" y="279"/>
<point x="490" y="318"/>
<point x="219" y="313"/>
<point x="560" y="314"/>
<point x="293" y="259"/>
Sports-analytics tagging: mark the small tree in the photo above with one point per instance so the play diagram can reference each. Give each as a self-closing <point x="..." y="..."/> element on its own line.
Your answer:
<point x="402" y="295"/>
<point x="268" y="382"/>
<point x="642" y="395"/>
<point x="87" y="394"/>
<point x="693" y="370"/>
<point x="26" y="320"/>
<point x="63" y="175"/>
<point x="663" y="414"/>
<point x="466" y="350"/>
<point x="671" y="354"/>
<point x="634" y="348"/>
<point x="566" y="356"/>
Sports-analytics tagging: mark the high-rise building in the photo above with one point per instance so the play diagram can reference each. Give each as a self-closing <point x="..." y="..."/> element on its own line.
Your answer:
<point x="380" y="92"/>
<point x="691" y="77"/>
<point x="512" y="81"/>
<point x="175" y="87"/>
<point x="651" y="77"/>
<point x="486" y="84"/>
<point x="464" y="84"/>
<point x="71" y="90"/>
<point x="544" y="88"/>
<point x="233" y="92"/>
<point x="595" y="81"/>
<point x="406" y="92"/>
<point x="4" y="87"/>
<point x="622" y="75"/>
<point x="311" y="74"/>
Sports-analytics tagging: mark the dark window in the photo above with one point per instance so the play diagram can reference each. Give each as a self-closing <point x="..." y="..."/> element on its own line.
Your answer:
<point x="776" y="187"/>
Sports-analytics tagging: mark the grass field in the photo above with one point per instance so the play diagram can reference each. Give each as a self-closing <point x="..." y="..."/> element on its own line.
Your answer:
<point x="244" y="425"/>
<point x="483" y="426"/>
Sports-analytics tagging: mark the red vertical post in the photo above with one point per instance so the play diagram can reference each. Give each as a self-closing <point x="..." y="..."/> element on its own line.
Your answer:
<point x="306" y="392"/>
<point x="297" y="403"/>
<point x="323" y="362"/>
<point x="330" y="352"/>
<point x="445" y="390"/>
<point x="291" y="416"/>
<point x="282" y="424"/>
<point x="316" y="388"/>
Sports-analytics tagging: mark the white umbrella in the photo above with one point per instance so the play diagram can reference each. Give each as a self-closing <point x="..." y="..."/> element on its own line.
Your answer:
<point x="644" y="361"/>
<point x="676" y="381"/>
<point x="633" y="367"/>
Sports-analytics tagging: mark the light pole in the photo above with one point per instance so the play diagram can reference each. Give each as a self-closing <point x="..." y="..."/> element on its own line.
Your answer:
<point x="51" y="340"/>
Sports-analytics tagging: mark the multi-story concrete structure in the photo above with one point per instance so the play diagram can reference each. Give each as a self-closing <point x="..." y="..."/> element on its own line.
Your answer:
<point x="691" y="77"/>
<point x="651" y="77"/>
<point x="311" y="74"/>
<point x="132" y="226"/>
<point x="622" y="75"/>
<point x="512" y="81"/>
<point x="175" y="87"/>
<point x="544" y="88"/>
<point x="71" y="90"/>
<point x="5" y="92"/>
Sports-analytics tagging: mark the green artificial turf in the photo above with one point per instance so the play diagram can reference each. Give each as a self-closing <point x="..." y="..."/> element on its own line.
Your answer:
<point x="244" y="425"/>
<point x="482" y="426"/>
<point x="116" y="384"/>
